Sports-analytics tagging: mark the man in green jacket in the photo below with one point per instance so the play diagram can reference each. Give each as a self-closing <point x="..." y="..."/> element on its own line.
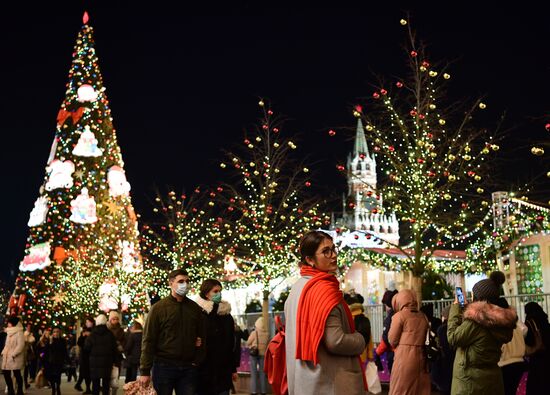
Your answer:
<point x="172" y="345"/>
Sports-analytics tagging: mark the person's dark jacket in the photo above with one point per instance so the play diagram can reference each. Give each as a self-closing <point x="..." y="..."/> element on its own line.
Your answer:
<point x="539" y="362"/>
<point x="102" y="346"/>
<point x="215" y="374"/>
<point x="56" y="355"/>
<point x="170" y="334"/>
<point x="83" y="357"/>
<point x="120" y="337"/>
<point x="442" y="368"/>
<point x="386" y="329"/>
<point x="240" y="335"/>
<point x="132" y="349"/>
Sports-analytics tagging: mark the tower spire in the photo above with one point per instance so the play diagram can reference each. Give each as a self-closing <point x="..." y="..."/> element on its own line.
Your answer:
<point x="360" y="140"/>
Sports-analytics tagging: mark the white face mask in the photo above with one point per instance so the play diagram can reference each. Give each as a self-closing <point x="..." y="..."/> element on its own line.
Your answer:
<point x="182" y="289"/>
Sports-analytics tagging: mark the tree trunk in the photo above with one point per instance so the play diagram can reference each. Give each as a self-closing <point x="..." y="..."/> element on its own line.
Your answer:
<point x="265" y="310"/>
<point x="416" y="286"/>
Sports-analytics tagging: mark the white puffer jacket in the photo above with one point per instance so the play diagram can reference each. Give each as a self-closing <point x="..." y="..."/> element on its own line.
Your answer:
<point x="13" y="357"/>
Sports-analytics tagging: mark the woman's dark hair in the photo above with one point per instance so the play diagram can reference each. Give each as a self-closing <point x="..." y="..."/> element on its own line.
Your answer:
<point x="13" y="320"/>
<point x="309" y="244"/>
<point x="207" y="286"/>
<point x="533" y="311"/>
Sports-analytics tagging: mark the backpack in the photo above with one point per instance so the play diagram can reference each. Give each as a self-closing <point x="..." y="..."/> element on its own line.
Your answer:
<point x="275" y="360"/>
<point x="431" y="347"/>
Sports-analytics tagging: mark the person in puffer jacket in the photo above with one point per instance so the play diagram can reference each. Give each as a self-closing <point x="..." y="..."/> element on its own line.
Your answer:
<point x="13" y="358"/>
<point x="478" y="332"/>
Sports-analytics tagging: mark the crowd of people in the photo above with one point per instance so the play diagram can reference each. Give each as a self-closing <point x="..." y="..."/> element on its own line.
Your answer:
<point x="193" y="347"/>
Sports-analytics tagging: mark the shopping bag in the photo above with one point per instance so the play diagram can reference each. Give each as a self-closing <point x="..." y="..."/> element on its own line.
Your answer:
<point x="114" y="377"/>
<point x="40" y="380"/>
<point x="373" y="381"/>
<point x="136" y="388"/>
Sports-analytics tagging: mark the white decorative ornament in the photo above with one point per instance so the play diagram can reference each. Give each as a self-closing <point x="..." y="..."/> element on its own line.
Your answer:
<point x="39" y="212"/>
<point x="86" y="93"/>
<point x="118" y="186"/>
<point x="130" y="258"/>
<point x="108" y="296"/>
<point x="87" y="144"/>
<point x="83" y="208"/>
<point x="37" y="258"/>
<point x="60" y="174"/>
<point x="125" y="301"/>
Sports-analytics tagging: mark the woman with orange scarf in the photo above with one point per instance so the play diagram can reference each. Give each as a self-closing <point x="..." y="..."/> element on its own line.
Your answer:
<point x="322" y="347"/>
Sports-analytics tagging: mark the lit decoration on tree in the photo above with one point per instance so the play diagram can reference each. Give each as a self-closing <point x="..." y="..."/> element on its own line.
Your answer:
<point x="39" y="212"/>
<point x="130" y="257"/>
<point x="108" y="295"/>
<point x="87" y="144"/>
<point x="434" y="160"/>
<point x="86" y="93"/>
<point x="60" y="174"/>
<point x="38" y="257"/>
<point x="118" y="186"/>
<point x="83" y="208"/>
<point x="90" y="242"/>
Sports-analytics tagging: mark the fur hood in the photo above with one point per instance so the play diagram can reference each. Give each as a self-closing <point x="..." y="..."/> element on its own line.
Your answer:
<point x="491" y="316"/>
<point x="224" y="307"/>
<point x="14" y="329"/>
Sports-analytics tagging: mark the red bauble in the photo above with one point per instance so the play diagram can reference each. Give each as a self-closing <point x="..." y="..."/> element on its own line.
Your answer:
<point x="331" y="133"/>
<point x="376" y="95"/>
<point x="399" y="84"/>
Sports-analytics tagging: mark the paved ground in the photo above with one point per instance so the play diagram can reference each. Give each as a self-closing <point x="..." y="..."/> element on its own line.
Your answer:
<point x="68" y="389"/>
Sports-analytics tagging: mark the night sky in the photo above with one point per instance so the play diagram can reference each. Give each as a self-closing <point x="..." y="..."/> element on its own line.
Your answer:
<point x="184" y="83"/>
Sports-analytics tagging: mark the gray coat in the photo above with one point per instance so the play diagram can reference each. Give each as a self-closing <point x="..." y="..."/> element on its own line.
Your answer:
<point x="338" y="371"/>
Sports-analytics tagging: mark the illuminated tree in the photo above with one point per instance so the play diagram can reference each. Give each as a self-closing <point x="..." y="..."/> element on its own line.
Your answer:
<point x="433" y="159"/>
<point x="265" y="206"/>
<point x="187" y="235"/>
<point x="82" y="254"/>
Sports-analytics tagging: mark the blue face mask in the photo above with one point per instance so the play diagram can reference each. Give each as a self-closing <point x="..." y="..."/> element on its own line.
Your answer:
<point x="217" y="298"/>
<point x="182" y="289"/>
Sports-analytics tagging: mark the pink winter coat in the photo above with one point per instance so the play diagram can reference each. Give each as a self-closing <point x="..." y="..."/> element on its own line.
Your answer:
<point x="13" y="357"/>
<point x="408" y="329"/>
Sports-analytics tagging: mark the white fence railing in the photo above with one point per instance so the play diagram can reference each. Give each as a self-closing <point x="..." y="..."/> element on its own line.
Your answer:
<point x="376" y="312"/>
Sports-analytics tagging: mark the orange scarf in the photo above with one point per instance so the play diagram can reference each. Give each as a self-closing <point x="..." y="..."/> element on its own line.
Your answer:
<point x="319" y="296"/>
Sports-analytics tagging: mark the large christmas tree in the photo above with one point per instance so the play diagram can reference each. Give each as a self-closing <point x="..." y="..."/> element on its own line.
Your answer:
<point x="82" y="254"/>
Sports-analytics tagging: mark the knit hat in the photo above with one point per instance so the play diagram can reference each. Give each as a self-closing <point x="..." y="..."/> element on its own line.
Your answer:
<point x="489" y="288"/>
<point x="101" y="319"/>
<point x="388" y="295"/>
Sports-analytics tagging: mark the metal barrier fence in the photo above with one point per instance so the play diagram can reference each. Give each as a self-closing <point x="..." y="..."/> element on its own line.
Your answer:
<point x="377" y="312"/>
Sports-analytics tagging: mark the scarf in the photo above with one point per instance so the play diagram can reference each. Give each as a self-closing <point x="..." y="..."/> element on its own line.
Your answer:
<point x="319" y="296"/>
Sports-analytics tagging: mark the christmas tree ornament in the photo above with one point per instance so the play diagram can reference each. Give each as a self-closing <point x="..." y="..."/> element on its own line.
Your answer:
<point x="60" y="174"/>
<point x="39" y="212"/>
<point x="87" y="144"/>
<point x="118" y="186"/>
<point x="131" y="262"/>
<point x="86" y="93"/>
<point x="83" y="208"/>
<point x="108" y="295"/>
<point x="38" y="257"/>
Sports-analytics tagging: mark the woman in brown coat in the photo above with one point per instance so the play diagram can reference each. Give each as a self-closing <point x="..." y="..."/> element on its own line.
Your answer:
<point x="407" y="334"/>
